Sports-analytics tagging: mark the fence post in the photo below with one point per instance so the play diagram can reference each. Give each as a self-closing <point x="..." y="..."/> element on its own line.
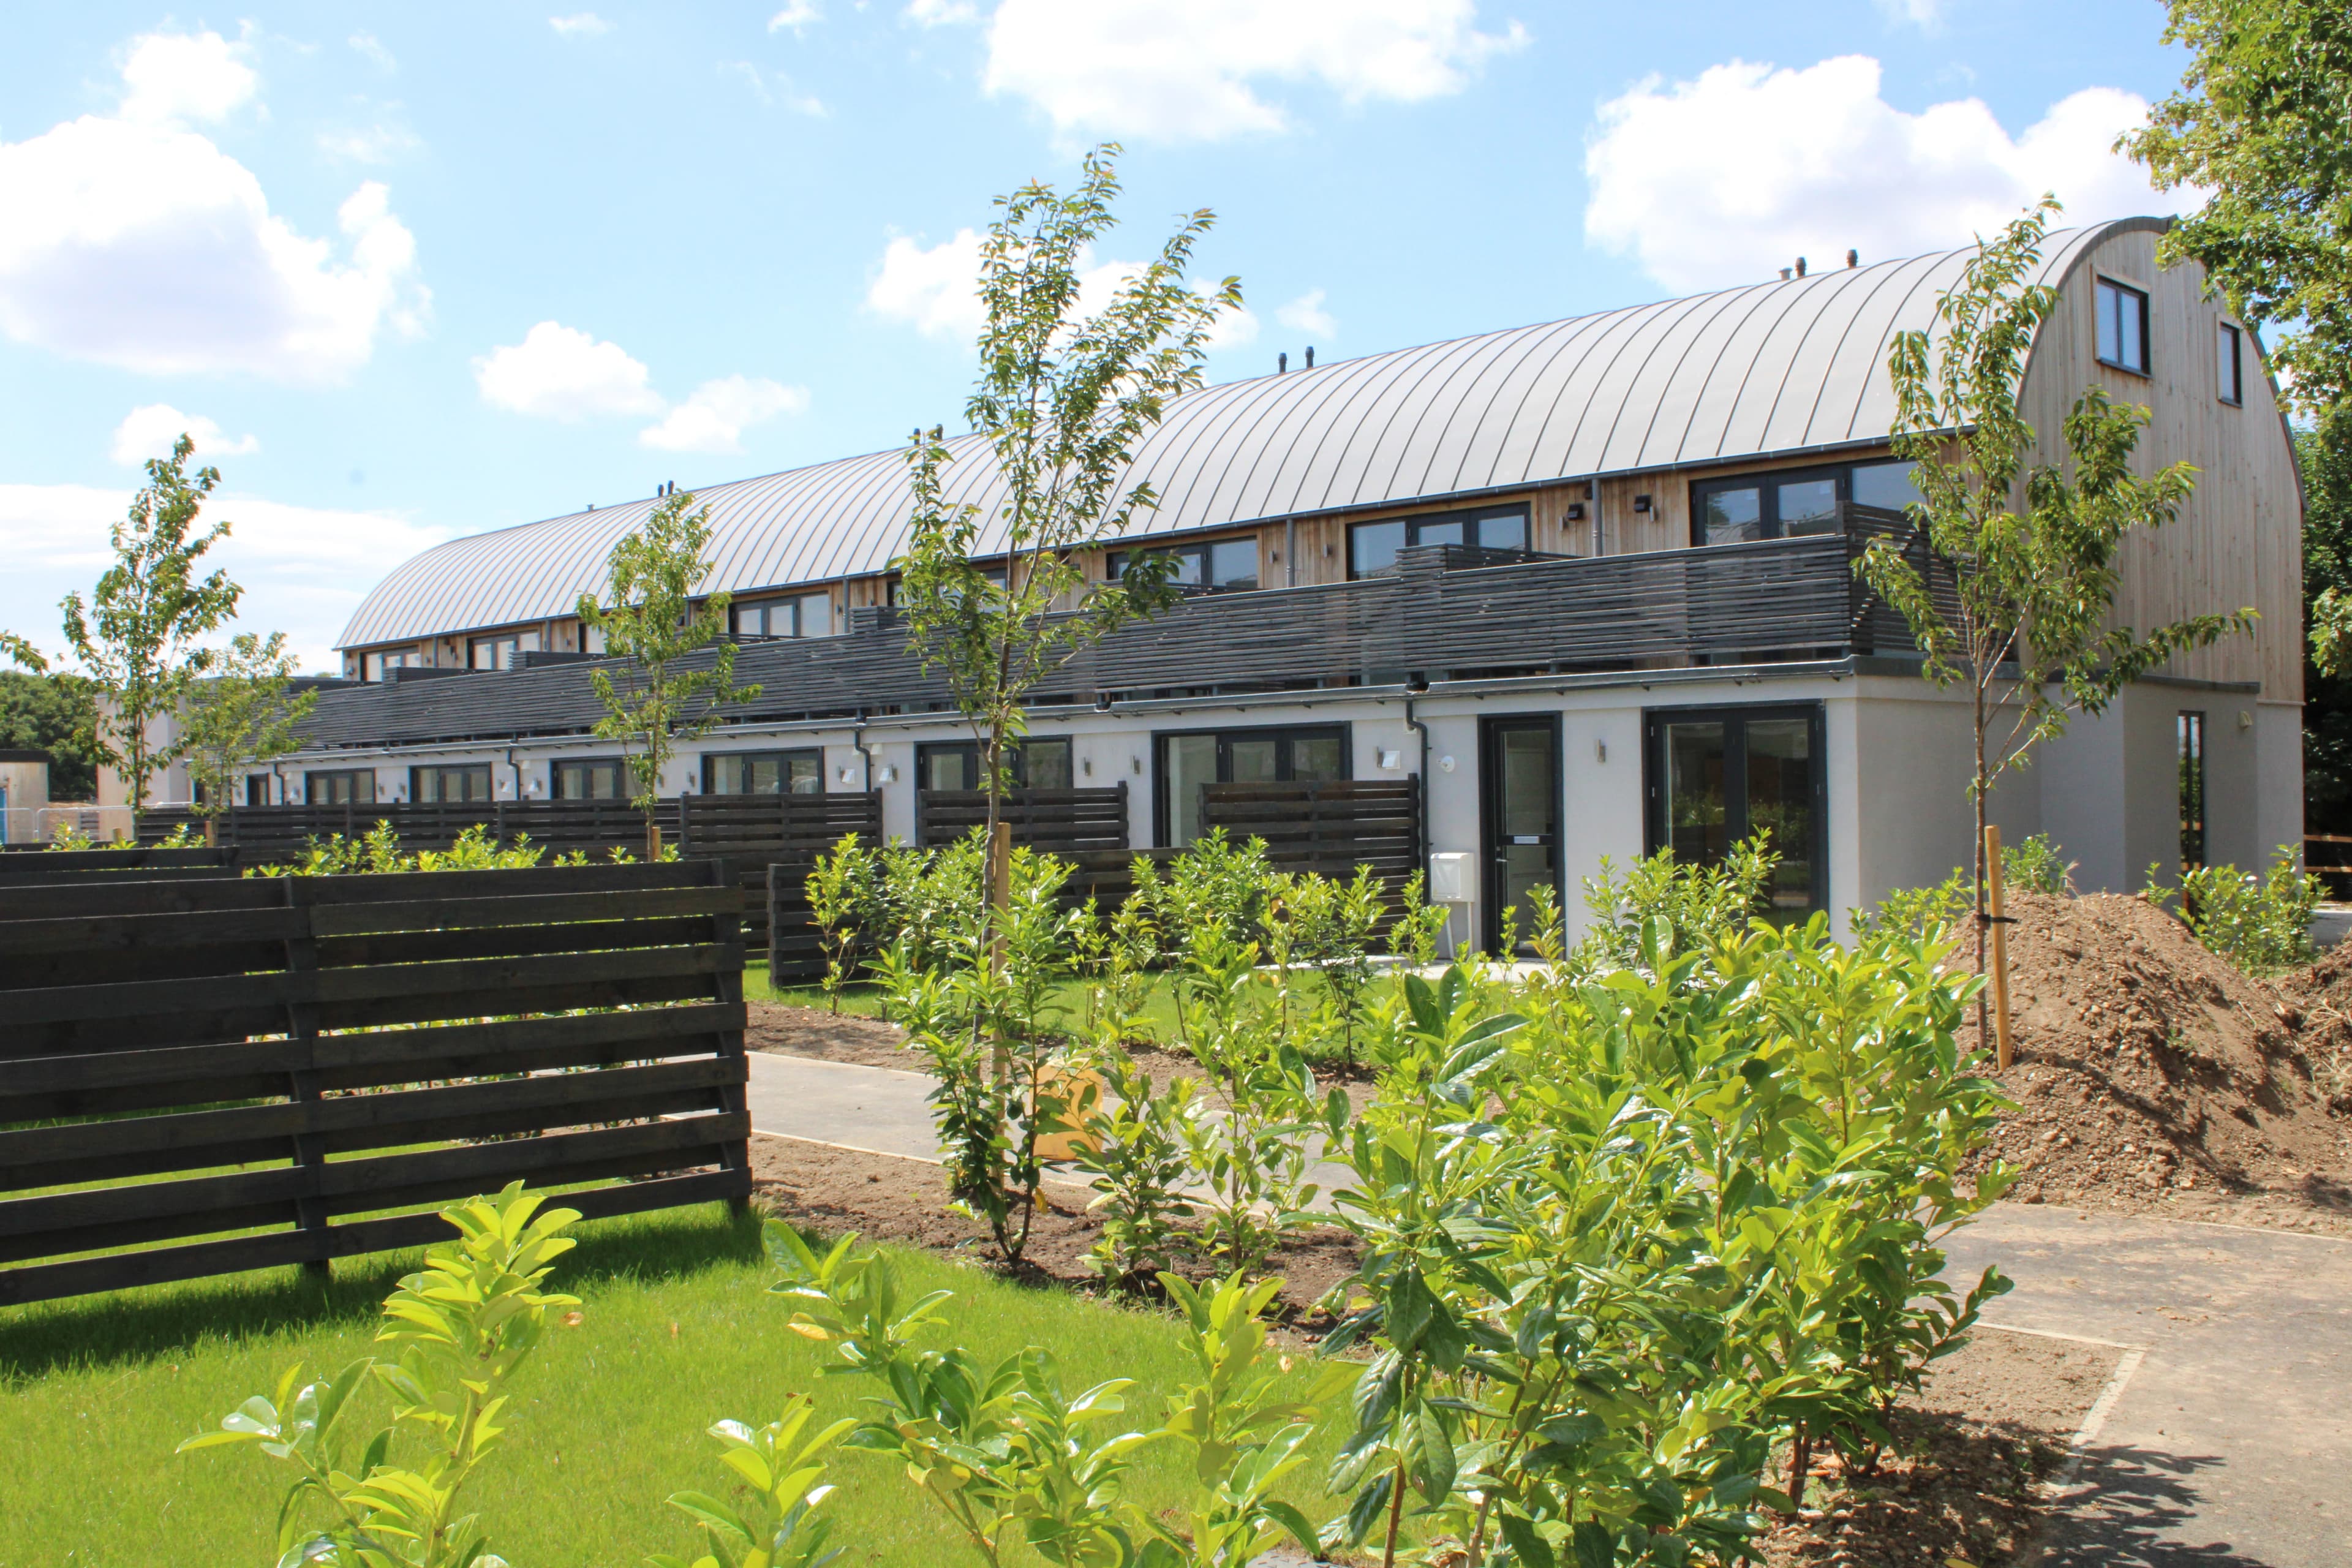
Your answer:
<point x="303" y="1088"/>
<point x="727" y="931"/>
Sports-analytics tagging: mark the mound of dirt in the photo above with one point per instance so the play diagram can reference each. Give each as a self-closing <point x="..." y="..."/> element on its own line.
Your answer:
<point x="2150" y="1074"/>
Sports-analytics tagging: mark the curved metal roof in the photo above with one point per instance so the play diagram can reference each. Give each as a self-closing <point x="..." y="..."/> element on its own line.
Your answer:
<point x="1783" y="366"/>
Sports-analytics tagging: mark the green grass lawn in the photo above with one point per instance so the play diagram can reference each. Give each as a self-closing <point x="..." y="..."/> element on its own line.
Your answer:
<point x="678" y="1333"/>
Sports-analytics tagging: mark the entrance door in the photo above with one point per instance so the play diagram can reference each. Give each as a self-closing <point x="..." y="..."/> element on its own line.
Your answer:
<point x="1518" y="772"/>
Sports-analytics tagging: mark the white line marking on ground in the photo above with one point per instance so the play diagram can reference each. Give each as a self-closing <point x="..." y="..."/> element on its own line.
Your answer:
<point x="2060" y="1489"/>
<point x="2054" y="1334"/>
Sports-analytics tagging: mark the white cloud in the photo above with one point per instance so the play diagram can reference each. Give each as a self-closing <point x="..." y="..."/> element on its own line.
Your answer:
<point x="373" y="47"/>
<point x="714" y="417"/>
<point x="137" y="242"/>
<point x="382" y="143"/>
<point x="935" y="291"/>
<point x="1925" y="15"/>
<point x="1306" y="314"/>
<point x="1189" y="69"/>
<point x="1729" y="178"/>
<point x="304" y="569"/>
<point x="796" y="14"/>
<point x="561" y="373"/>
<point x="940" y="13"/>
<point x="170" y="78"/>
<point x="149" y="431"/>
<point x="798" y="102"/>
<point x="580" y="25"/>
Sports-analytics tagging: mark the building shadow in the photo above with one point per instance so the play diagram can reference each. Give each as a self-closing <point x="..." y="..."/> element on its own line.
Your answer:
<point x="2136" y="1508"/>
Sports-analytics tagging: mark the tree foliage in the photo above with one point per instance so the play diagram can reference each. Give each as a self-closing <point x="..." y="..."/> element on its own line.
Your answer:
<point x="657" y="694"/>
<point x="137" y="637"/>
<point x="2324" y="452"/>
<point x="51" y="713"/>
<point x="245" y="711"/>
<point x="2032" y="544"/>
<point x="1063" y="398"/>
<point x="2264" y="121"/>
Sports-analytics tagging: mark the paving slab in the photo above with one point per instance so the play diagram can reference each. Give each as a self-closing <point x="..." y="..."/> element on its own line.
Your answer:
<point x="2230" y="1445"/>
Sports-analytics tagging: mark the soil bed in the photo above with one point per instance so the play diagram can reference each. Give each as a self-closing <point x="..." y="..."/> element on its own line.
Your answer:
<point x="2151" y="1078"/>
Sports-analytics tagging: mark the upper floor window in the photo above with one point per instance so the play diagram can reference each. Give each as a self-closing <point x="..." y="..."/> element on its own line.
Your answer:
<point x="2123" y="326"/>
<point x="1373" y="546"/>
<point x="802" y="616"/>
<point x="2230" y="369"/>
<point x="1227" y="564"/>
<point x="373" y="665"/>
<point x="1793" y="500"/>
<point x="500" y="651"/>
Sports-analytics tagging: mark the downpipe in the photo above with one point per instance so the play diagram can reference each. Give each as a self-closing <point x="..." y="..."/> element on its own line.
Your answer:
<point x="1420" y="807"/>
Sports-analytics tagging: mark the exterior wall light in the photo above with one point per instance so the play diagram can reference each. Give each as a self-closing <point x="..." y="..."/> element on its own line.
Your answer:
<point x="1446" y="764"/>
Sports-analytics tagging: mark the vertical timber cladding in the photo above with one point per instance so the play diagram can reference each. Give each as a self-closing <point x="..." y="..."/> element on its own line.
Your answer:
<point x="200" y="1077"/>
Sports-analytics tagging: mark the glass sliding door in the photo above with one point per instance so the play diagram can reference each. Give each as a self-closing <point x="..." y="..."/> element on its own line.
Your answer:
<point x="1191" y="759"/>
<point x="1719" y="776"/>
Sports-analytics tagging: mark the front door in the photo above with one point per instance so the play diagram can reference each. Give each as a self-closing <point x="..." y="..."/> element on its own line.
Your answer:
<point x="1518" y="772"/>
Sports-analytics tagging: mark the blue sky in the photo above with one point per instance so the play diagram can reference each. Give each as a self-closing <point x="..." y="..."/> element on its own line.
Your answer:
<point x="419" y="270"/>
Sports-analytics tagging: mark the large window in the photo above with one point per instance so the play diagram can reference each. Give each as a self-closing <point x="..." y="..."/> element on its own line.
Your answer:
<point x="2228" y="366"/>
<point x="802" y="616"/>
<point x="590" y="778"/>
<point x="461" y="783"/>
<point x="373" y="665"/>
<point x="340" y="787"/>
<point x="956" y="765"/>
<point x="2123" y="326"/>
<point x="502" y="651"/>
<point x="1373" y="546"/>
<point x="1227" y="565"/>
<point x="1189" y="761"/>
<point x="1792" y="501"/>
<point x="798" y="771"/>
<point x="1718" y="776"/>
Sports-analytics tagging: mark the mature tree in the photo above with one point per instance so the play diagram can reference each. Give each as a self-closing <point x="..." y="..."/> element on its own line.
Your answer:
<point x="2324" y="452"/>
<point x="2028" y="547"/>
<point x="137" y="639"/>
<point x="244" y="712"/>
<point x="660" y="694"/>
<point x="51" y="713"/>
<point x="1063" y="398"/>
<point x="2264" y="121"/>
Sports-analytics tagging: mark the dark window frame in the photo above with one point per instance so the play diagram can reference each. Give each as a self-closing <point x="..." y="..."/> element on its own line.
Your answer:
<point x="1470" y="518"/>
<point x="2102" y="286"/>
<point x="416" y="778"/>
<point x="1163" y="816"/>
<point x="1655" y="831"/>
<point x="497" y="640"/>
<point x="783" y="757"/>
<point x="312" y="780"/>
<point x="1767" y="483"/>
<point x="558" y="766"/>
<point x="925" y="751"/>
<point x="2229" y="357"/>
<point x="1203" y="551"/>
<point x="2192" y="788"/>
<point x="256" y="783"/>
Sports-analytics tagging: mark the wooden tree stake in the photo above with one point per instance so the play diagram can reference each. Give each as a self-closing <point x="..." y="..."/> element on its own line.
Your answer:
<point x="1999" y="945"/>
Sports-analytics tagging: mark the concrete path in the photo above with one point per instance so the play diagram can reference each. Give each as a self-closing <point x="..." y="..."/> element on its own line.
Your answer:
<point x="2229" y="1444"/>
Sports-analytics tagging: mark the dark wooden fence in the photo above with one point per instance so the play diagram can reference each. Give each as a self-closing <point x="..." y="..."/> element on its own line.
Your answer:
<point x="779" y="837"/>
<point x="190" y="1066"/>
<point x="282" y="831"/>
<point x="1329" y="828"/>
<point x="47" y="868"/>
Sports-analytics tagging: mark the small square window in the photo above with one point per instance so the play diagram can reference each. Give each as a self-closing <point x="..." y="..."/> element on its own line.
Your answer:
<point x="2230" y="370"/>
<point x="2122" y="327"/>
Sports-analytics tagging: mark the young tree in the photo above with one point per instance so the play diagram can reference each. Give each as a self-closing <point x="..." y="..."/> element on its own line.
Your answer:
<point x="1063" y="399"/>
<point x="2030" y="545"/>
<point x="2264" y="121"/>
<point x="137" y="638"/>
<point x="244" y="712"/>
<point x="660" y="695"/>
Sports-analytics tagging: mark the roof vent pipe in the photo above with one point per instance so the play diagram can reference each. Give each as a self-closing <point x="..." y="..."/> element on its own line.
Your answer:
<point x="1311" y="357"/>
<point x="1854" y="258"/>
<point x="1800" y="267"/>
<point x="1785" y="273"/>
<point x="1281" y="363"/>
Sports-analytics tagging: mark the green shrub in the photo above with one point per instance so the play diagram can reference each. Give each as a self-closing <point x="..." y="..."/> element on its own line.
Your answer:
<point x="2031" y="865"/>
<point x="2260" y="924"/>
<point x="1698" y="903"/>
